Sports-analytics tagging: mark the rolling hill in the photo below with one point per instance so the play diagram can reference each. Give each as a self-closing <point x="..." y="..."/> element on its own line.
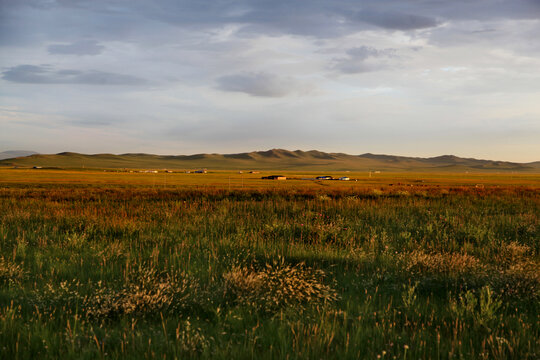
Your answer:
<point x="275" y="159"/>
<point x="15" y="153"/>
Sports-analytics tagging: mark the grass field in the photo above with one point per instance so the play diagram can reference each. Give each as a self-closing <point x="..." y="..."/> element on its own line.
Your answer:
<point x="224" y="265"/>
<point x="236" y="180"/>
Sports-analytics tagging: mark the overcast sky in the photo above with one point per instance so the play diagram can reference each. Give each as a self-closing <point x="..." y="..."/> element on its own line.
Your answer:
<point x="403" y="77"/>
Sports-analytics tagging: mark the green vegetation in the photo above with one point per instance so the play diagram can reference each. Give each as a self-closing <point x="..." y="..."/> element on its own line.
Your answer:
<point x="96" y="269"/>
<point x="271" y="160"/>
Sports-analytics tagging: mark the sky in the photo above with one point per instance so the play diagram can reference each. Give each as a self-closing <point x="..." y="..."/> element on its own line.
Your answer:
<point x="402" y="77"/>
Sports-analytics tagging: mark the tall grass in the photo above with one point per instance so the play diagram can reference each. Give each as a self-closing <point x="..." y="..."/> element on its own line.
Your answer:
<point x="110" y="272"/>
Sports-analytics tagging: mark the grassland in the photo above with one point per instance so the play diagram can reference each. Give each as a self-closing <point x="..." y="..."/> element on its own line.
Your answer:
<point x="226" y="265"/>
<point x="273" y="159"/>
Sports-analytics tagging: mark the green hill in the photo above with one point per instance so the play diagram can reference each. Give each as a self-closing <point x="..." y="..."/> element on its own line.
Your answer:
<point x="275" y="159"/>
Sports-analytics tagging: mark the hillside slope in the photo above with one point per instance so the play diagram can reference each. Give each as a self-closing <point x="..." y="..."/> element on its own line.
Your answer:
<point x="15" y="153"/>
<point x="275" y="159"/>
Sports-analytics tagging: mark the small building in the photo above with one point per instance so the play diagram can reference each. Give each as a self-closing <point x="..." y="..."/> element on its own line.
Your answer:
<point x="275" y="177"/>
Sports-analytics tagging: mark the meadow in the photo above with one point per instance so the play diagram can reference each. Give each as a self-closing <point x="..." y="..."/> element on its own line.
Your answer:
<point x="97" y="264"/>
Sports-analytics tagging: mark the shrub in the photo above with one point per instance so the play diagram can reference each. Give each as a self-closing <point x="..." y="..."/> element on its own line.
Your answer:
<point x="479" y="308"/>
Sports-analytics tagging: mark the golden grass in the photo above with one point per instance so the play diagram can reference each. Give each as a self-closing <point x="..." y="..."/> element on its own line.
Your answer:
<point x="420" y="262"/>
<point x="10" y="272"/>
<point x="278" y="285"/>
<point x="234" y="180"/>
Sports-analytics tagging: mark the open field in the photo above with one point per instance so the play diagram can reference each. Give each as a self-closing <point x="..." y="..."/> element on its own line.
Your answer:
<point x="100" y="264"/>
<point x="221" y="179"/>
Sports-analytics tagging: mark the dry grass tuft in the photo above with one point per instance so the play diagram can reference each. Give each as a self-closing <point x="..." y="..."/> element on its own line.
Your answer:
<point x="520" y="280"/>
<point x="511" y="253"/>
<point x="192" y="339"/>
<point x="279" y="285"/>
<point x="518" y="273"/>
<point x="148" y="292"/>
<point x="441" y="263"/>
<point x="10" y="272"/>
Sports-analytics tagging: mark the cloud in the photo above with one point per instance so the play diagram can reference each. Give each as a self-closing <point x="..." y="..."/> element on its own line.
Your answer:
<point x="135" y="21"/>
<point x="365" y="52"/>
<point x="396" y="20"/>
<point x="260" y="84"/>
<point x="203" y="61"/>
<point x="83" y="47"/>
<point x="364" y="59"/>
<point x="32" y="74"/>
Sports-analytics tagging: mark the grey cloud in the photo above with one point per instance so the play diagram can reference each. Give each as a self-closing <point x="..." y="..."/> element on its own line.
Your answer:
<point x="396" y="20"/>
<point x="32" y="74"/>
<point x="259" y="84"/>
<point x="324" y="19"/>
<point x="364" y="59"/>
<point x="132" y="20"/>
<point x="364" y="52"/>
<point x="83" y="47"/>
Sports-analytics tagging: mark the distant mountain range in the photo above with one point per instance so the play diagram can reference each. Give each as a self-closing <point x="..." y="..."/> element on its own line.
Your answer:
<point x="15" y="153"/>
<point x="275" y="159"/>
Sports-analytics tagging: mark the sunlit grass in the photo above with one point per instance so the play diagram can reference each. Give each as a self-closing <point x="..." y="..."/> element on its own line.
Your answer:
<point x="93" y="268"/>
